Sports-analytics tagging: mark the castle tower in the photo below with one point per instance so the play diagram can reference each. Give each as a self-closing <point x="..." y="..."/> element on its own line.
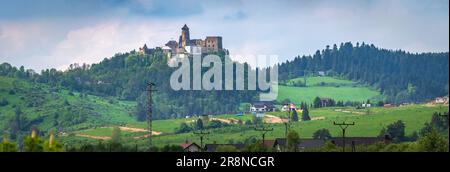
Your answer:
<point x="184" y="38"/>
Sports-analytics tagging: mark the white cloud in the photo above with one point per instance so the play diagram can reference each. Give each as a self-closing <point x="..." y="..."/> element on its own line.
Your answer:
<point x="93" y="43"/>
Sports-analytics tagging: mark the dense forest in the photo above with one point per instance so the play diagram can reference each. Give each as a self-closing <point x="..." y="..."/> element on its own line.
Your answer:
<point x="400" y="76"/>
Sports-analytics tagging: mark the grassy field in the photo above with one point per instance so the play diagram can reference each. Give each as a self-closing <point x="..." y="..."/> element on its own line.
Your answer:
<point x="322" y="80"/>
<point x="369" y="122"/>
<point x="336" y="89"/>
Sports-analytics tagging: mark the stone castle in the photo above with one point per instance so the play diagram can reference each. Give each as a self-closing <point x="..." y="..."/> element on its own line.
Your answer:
<point x="187" y="46"/>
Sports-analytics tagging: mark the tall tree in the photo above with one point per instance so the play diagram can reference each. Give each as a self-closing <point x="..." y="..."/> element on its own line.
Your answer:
<point x="323" y="134"/>
<point x="305" y="114"/>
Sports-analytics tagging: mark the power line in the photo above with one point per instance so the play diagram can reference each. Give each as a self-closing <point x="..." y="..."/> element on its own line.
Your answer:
<point x="202" y="135"/>
<point x="263" y="131"/>
<point x="287" y="124"/>
<point x="344" y="127"/>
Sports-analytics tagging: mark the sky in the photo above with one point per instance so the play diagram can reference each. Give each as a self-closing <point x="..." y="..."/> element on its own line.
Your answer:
<point x="41" y="34"/>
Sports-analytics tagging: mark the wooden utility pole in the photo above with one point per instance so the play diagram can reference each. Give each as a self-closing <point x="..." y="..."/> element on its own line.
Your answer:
<point x="344" y="127"/>
<point x="287" y="124"/>
<point x="150" y="90"/>
<point x="202" y="135"/>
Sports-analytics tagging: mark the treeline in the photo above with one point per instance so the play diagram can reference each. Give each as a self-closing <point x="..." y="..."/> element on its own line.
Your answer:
<point x="399" y="75"/>
<point x="31" y="143"/>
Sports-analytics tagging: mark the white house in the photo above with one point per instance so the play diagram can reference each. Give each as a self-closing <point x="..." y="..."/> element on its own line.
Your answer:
<point x="288" y="107"/>
<point x="262" y="107"/>
<point x="366" y="105"/>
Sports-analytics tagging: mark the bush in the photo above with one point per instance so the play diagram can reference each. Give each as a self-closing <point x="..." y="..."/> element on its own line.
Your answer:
<point x="216" y="124"/>
<point x="395" y="130"/>
<point x="433" y="142"/>
<point x="4" y="102"/>
<point x="184" y="128"/>
<point x="7" y="146"/>
<point x="323" y="134"/>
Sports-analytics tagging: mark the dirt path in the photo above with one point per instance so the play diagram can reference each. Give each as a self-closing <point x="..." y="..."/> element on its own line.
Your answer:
<point x="94" y="137"/>
<point x="128" y="129"/>
<point x="154" y="133"/>
<point x="271" y="119"/>
<point x="318" y="118"/>
<point x="347" y="111"/>
<point x="228" y="121"/>
<point x="131" y="129"/>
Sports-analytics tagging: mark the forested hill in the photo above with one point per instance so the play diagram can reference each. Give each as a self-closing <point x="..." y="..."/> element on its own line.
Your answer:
<point x="401" y="76"/>
<point x="125" y="76"/>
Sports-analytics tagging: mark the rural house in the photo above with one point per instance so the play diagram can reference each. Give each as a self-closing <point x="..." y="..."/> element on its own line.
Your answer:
<point x="289" y="107"/>
<point x="366" y="105"/>
<point x="262" y="107"/>
<point x="191" y="147"/>
<point x="441" y="100"/>
<point x="279" y="144"/>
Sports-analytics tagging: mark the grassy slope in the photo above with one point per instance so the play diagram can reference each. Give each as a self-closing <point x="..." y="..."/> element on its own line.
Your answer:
<point x="315" y="81"/>
<point x="99" y="111"/>
<point x="341" y="90"/>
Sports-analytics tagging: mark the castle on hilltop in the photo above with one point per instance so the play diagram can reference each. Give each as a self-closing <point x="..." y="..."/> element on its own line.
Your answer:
<point x="187" y="46"/>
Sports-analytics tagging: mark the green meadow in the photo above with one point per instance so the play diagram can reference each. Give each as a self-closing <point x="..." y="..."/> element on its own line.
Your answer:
<point x="337" y="89"/>
<point x="368" y="123"/>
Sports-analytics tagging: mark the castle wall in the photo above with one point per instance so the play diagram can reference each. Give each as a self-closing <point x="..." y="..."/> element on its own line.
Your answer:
<point x="213" y="42"/>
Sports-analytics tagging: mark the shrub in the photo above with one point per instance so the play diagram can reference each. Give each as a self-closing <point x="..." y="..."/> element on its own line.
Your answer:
<point x="3" y="102"/>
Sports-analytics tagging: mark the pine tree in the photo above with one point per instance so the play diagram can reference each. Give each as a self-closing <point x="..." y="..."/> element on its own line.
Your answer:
<point x="305" y="114"/>
<point x="199" y="124"/>
<point x="294" y="116"/>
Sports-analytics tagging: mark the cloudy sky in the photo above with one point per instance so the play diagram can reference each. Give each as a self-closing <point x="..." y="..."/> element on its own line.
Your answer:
<point x="55" y="33"/>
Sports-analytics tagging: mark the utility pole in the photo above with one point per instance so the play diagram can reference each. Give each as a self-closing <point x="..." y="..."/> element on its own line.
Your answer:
<point x="150" y="90"/>
<point x="202" y="135"/>
<point x="263" y="131"/>
<point x="287" y="124"/>
<point x="344" y="127"/>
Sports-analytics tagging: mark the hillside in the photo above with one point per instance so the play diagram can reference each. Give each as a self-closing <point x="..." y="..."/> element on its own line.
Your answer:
<point x="30" y="105"/>
<point x="57" y="108"/>
<point x="400" y="76"/>
<point x="125" y="77"/>
<point x="337" y="89"/>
